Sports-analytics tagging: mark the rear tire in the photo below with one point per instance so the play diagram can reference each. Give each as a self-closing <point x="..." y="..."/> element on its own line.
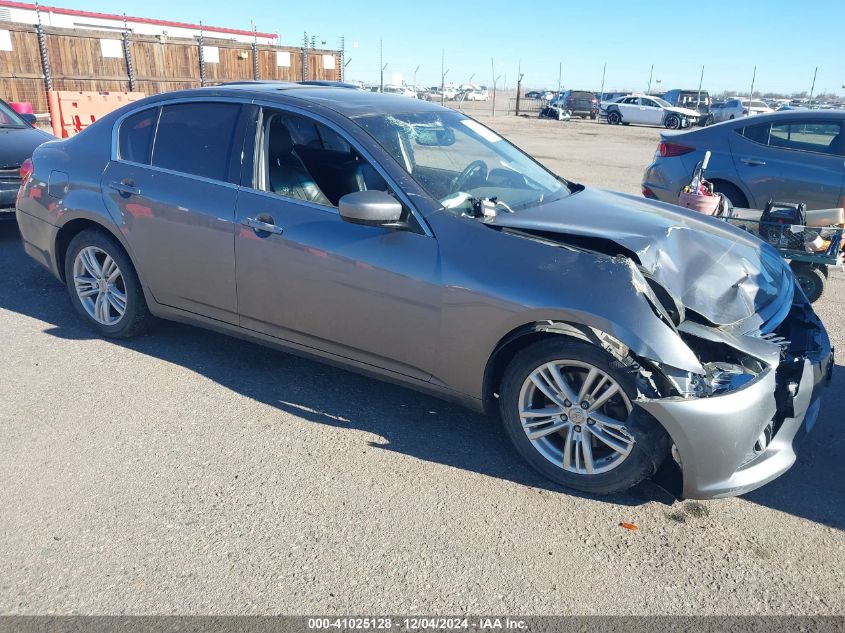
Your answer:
<point x="554" y="448"/>
<point x="735" y="197"/>
<point x="104" y="287"/>
<point x="811" y="279"/>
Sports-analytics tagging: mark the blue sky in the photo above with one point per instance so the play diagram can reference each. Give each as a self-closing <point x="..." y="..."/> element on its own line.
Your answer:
<point x="785" y="39"/>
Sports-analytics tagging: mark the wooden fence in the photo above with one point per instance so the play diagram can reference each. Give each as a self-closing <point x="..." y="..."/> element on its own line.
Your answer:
<point x="107" y="61"/>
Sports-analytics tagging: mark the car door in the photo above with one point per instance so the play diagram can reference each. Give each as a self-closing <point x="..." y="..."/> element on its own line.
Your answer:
<point x="171" y="187"/>
<point x="630" y="110"/>
<point x="365" y="293"/>
<point x="651" y="112"/>
<point x="792" y="160"/>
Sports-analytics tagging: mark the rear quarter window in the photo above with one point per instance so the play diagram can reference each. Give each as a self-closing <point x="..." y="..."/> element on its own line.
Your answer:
<point x="135" y="138"/>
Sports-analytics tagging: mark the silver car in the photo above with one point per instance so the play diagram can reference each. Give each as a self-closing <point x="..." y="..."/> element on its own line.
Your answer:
<point x="796" y="156"/>
<point x="614" y="336"/>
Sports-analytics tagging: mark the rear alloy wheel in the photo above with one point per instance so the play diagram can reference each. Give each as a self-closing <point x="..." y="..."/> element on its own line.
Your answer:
<point x="104" y="286"/>
<point x="614" y="118"/>
<point x="567" y="406"/>
<point x="673" y="122"/>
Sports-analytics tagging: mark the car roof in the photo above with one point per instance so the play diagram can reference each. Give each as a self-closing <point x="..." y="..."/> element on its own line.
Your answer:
<point x="822" y="115"/>
<point x="349" y="103"/>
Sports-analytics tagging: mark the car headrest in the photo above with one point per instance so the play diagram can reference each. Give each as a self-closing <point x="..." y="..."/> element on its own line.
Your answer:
<point x="280" y="143"/>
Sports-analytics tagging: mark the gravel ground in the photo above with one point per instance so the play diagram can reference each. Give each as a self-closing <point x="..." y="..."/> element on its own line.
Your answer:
<point x="186" y="472"/>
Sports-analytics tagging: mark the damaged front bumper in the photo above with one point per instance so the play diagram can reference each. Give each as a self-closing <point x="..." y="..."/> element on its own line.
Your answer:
<point x="732" y="443"/>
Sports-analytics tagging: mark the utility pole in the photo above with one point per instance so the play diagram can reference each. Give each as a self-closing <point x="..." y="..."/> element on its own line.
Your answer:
<point x="700" y="83"/>
<point x="559" y="77"/>
<point x="493" y="77"/>
<point x="382" y="65"/>
<point x="813" y="88"/>
<point x="603" y="72"/>
<point x="518" y="85"/>
<point x="442" y="75"/>
<point x="753" y="79"/>
<point x="650" y="77"/>
<point x="470" y="78"/>
<point x="415" y="77"/>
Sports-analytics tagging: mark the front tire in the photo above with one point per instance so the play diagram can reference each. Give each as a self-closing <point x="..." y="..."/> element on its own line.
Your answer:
<point x="567" y="406"/>
<point x="614" y="118"/>
<point x="673" y="122"/>
<point x="104" y="287"/>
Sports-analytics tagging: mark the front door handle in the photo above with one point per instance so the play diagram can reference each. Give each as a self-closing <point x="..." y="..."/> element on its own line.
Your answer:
<point x="263" y="223"/>
<point x="751" y="162"/>
<point x="126" y="188"/>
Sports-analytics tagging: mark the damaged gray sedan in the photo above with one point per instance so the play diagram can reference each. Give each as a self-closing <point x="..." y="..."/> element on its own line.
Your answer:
<point x="614" y="336"/>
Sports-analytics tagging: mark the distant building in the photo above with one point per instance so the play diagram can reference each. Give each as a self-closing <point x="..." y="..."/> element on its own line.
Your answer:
<point x="25" y="13"/>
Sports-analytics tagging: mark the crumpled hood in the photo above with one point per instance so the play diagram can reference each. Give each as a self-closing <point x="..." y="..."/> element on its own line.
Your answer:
<point x="684" y="111"/>
<point x="712" y="267"/>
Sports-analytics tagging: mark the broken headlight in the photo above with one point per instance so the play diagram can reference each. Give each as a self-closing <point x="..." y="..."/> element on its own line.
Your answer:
<point x="726" y="377"/>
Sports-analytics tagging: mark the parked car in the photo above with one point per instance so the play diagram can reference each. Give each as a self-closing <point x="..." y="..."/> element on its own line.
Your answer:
<point x="328" y="83"/>
<point x="792" y="156"/>
<point x="579" y="102"/>
<point x="698" y="100"/>
<point x="533" y="94"/>
<point x="645" y="110"/>
<point x="18" y="139"/>
<point x="358" y="228"/>
<point x="737" y="108"/>
<point x="476" y="95"/>
<point x="405" y="91"/>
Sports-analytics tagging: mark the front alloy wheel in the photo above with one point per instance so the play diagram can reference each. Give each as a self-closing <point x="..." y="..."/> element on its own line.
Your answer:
<point x="574" y="414"/>
<point x="568" y="407"/>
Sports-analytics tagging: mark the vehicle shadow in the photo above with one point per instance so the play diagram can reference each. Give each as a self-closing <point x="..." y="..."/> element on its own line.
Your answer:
<point x="408" y="422"/>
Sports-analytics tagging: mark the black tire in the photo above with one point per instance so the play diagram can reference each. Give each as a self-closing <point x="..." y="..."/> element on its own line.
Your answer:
<point x="651" y="441"/>
<point x="673" y="122"/>
<point x="136" y="318"/>
<point x="811" y="279"/>
<point x="614" y="118"/>
<point x="735" y="197"/>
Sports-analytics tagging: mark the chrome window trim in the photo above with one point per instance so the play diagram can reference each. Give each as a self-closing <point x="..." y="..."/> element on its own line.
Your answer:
<point x="285" y="107"/>
<point x="265" y="103"/>
<point x="115" y="133"/>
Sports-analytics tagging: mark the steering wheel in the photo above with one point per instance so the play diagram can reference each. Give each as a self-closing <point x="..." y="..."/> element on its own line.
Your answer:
<point x="475" y="168"/>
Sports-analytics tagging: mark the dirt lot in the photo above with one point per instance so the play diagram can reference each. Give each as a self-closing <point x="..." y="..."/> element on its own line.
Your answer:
<point x="186" y="472"/>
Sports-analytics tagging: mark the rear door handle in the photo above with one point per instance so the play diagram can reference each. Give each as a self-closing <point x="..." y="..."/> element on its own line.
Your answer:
<point x="751" y="162"/>
<point x="125" y="188"/>
<point x="261" y="225"/>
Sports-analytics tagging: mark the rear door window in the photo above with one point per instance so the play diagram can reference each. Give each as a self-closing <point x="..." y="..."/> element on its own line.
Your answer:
<point x="809" y="136"/>
<point x="196" y="138"/>
<point x="135" y="139"/>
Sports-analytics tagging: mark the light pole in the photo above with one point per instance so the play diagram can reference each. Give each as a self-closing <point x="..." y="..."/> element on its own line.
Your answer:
<point x="415" y="77"/>
<point x="443" y="72"/>
<point x="813" y="88"/>
<point x="381" y="64"/>
<point x="650" y="77"/>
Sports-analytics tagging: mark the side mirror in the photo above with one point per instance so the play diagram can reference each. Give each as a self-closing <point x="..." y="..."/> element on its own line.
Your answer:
<point x="373" y="208"/>
<point x="29" y="118"/>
